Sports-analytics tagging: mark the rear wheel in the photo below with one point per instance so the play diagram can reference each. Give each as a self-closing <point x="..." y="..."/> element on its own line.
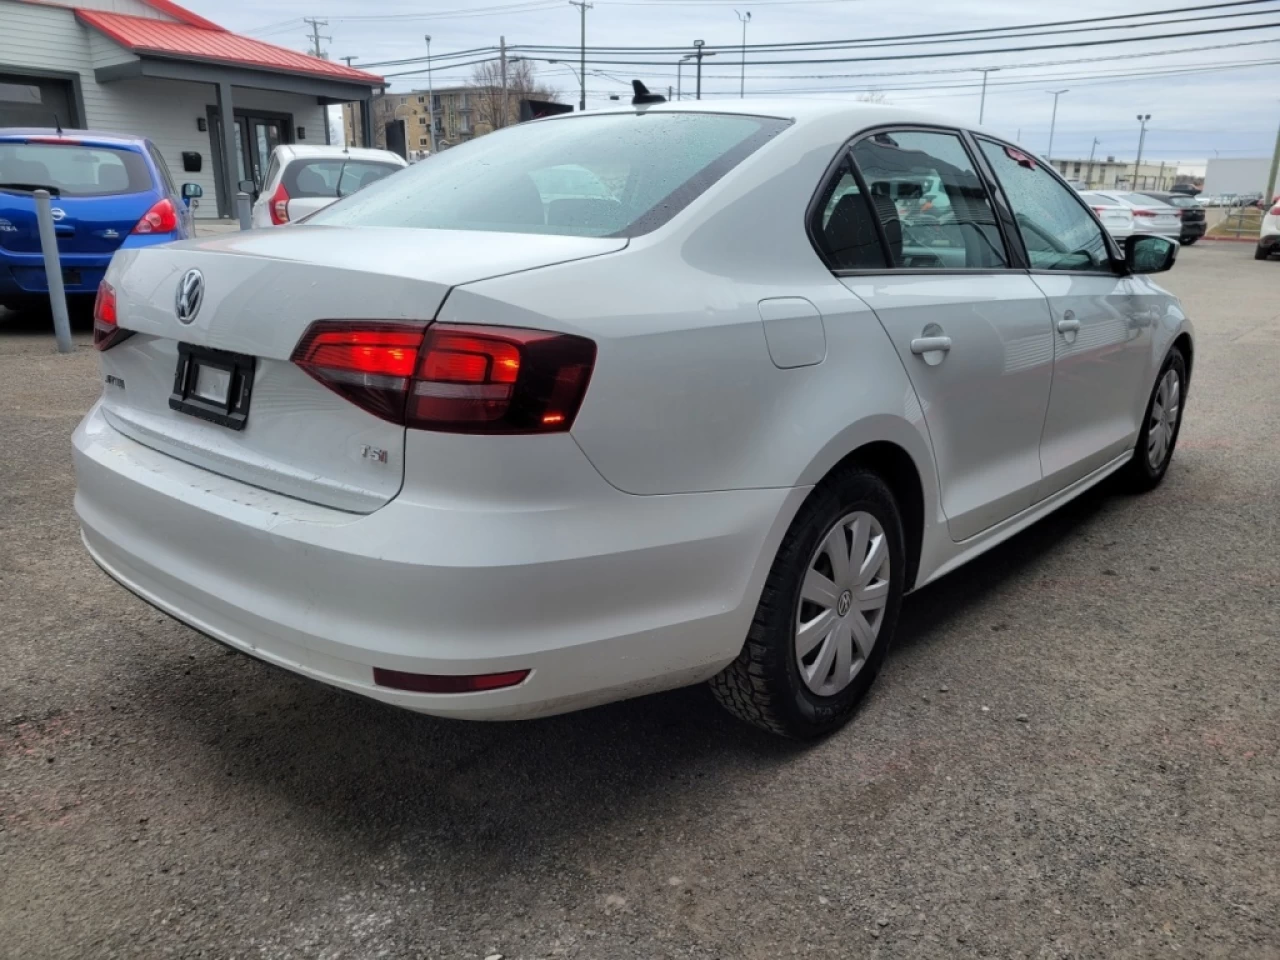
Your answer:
<point x="1160" y="426"/>
<point x="827" y="613"/>
<point x="1261" y="252"/>
<point x="1189" y="241"/>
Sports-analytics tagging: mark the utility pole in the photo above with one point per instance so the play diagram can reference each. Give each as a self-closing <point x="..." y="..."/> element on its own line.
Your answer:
<point x="431" y="100"/>
<point x="982" y="104"/>
<point x="583" y="7"/>
<point x="317" y="36"/>
<point x="347" y="60"/>
<point x="1088" y="180"/>
<point x="742" y="83"/>
<point x="1268" y="192"/>
<point x="502" y="56"/>
<point x="1054" y="122"/>
<point x="698" y="54"/>
<point x="1142" y="139"/>
<point x="680" y="75"/>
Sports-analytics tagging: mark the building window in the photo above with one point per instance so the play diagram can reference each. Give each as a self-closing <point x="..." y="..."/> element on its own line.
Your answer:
<point x="422" y="99"/>
<point x="403" y="101"/>
<point x="422" y="121"/>
<point x="424" y="142"/>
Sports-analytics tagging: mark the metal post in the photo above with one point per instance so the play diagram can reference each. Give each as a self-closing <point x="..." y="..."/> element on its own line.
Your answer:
<point x="698" y="55"/>
<point x="1142" y="139"/>
<point x="680" y="78"/>
<point x="982" y="104"/>
<point x="742" y="82"/>
<point x="1268" y="192"/>
<point x="1053" y="123"/>
<point x="244" y="210"/>
<point x="53" y="271"/>
<point x="431" y="99"/>
<point x="502" y="55"/>
<point x="1088" y="179"/>
<point x="583" y="7"/>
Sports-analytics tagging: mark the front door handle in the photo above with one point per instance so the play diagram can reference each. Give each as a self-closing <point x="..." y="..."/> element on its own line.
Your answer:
<point x="923" y="345"/>
<point x="1068" y="325"/>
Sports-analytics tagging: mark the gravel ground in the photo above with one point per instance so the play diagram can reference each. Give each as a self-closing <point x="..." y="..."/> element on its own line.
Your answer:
<point x="1072" y="751"/>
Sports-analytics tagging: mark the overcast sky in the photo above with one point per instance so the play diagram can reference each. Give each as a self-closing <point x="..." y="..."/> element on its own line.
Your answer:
<point x="1226" y="112"/>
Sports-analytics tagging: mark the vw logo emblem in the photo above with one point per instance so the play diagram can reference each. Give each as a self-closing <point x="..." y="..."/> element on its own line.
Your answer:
<point x="190" y="296"/>
<point x="58" y="214"/>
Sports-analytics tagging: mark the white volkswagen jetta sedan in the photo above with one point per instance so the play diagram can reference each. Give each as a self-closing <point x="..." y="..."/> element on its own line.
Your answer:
<point x="485" y="452"/>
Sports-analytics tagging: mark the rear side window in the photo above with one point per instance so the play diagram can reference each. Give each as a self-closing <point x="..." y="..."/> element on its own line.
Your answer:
<point x="933" y="206"/>
<point x="843" y="227"/>
<point x="73" y="170"/>
<point x="163" y="167"/>
<point x="589" y="176"/>
<point x="333" y="178"/>
<point x="1057" y="230"/>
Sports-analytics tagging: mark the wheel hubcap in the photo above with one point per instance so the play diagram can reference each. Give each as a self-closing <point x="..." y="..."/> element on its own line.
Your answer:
<point x="1164" y="418"/>
<point x="842" y="603"/>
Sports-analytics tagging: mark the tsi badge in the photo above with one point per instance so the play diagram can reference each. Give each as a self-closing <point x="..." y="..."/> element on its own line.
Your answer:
<point x="373" y="453"/>
<point x="190" y="296"/>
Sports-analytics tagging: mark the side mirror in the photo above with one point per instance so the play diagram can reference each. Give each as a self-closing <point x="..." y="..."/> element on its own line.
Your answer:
<point x="247" y="186"/>
<point x="1149" y="254"/>
<point x="192" y="191"/>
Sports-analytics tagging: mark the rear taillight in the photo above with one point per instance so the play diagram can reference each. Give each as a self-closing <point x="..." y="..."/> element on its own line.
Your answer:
<point x="1098" y="209"/>
<point x="452" y="379"/>
<point x="1275" y="211"/>
<point x="447" y="683"/>
<point x="106" y="330"/>
<point x="161" y="218"/>
<point x="1144" y="213"/>
<point x="278" y="206"/>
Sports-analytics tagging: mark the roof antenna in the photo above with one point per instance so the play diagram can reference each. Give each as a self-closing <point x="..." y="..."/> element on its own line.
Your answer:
<point x="643" y="95"/>
<point x="57" y="124"/>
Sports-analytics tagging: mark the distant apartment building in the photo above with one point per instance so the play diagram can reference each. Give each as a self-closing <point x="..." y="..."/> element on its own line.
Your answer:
<point x="1113" y="174"/>
<point x="461" y="114"/>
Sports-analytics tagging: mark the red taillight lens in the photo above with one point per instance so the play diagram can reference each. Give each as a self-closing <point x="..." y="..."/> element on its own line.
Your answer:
<point x="452" y="379"/>
<point x="106" y="331"/>
<point x="369" y="363"/>
<point x="1144" y="213"/>
<point x="1098" y="209"/>
<point x="278" y="207"/>
<point x="161" y="218"/>
<point x="499" y="380"/>
<point x="1275" y="211"/>
<point x="445" y="683"/>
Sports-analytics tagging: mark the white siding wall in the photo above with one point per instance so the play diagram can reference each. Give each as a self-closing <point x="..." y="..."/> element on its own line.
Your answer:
<point x="135" y="8"/>
<point x="50" y="38"/>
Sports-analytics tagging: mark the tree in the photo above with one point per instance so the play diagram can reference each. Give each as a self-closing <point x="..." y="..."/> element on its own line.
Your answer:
<point x="522" y="84"/>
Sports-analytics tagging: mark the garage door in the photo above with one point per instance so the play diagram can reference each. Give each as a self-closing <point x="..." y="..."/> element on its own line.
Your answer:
<point x="33" y="101"/>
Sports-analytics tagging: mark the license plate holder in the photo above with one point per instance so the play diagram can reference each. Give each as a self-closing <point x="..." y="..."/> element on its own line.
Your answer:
<point x="214" y="385"/>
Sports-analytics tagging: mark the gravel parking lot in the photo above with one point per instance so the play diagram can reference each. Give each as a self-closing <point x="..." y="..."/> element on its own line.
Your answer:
<point x="1072" y="751"/>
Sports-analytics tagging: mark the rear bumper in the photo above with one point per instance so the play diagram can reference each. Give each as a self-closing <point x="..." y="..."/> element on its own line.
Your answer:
<point x="1269" y="241"/>
<point x="606" y="598"/>
<point x="1193" y="231"/>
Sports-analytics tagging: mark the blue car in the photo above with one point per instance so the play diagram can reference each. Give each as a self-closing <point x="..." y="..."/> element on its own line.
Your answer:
<point x="109" y="192"/>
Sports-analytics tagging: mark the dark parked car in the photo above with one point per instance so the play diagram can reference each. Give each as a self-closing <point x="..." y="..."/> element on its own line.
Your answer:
<point x="1193" y="225"/>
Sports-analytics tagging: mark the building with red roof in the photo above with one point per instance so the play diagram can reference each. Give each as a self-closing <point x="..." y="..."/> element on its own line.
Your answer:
<point x="155" y="69"/>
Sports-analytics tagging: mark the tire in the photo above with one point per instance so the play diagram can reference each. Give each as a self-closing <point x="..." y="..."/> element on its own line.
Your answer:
<point x="1261" y="253"/>
<point x="1141" y="475"/>
<point x="1190" y="241"/>
<point x="764" y="685"/>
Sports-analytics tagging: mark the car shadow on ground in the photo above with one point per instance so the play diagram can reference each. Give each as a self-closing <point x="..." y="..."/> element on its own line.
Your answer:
<point x="40" y="320"/>
<point x="365" y="770"/>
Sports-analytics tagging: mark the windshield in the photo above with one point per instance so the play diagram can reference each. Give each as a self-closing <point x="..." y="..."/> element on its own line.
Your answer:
<point x="73" y="170"/>
<point x="589" y="176"/>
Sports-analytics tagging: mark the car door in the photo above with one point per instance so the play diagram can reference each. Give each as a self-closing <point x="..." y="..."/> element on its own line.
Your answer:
<point x="972" y="330"/>
<point x="1102" y="321"/>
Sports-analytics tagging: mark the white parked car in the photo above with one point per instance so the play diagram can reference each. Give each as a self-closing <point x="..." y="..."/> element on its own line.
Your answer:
<point x="301" y="180"/>
<point x="1146" y="215"/>
<point x="1269" y="234"/>
<point x="482" y="451"/>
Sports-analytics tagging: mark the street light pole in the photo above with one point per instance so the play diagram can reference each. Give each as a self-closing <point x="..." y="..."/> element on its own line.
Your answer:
<point x="431" y="100"/>
<point x="1053" y="123"/>
<point x="1088" y="178"/>
<point x="742" y="83"/>
<point x="982" y="104"/>
<point x="680" y="75"/>
<point x="698" y="54"/>
<point x="1142" y="139"/>
<point x="582" y="51"/>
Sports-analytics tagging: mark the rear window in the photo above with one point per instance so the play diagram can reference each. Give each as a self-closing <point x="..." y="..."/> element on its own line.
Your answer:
<point x="588" y="176"/>
<point x="73" y="170"/>
<point x="1183" y="202"/>
<point x="333" y="178"/>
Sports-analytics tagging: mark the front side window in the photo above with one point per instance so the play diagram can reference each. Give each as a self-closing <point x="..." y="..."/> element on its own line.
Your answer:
<point x="1058" y="232"/>
<point x="590" y="176"/>
<point x="72" y="170"/>
<point x="930" y="200"/>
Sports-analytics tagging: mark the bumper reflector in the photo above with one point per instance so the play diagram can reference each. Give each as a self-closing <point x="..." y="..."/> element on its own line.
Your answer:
<point x="439" y="683"/>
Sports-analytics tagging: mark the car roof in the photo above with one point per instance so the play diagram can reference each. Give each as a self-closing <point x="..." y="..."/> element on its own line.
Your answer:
<point x="294" y="151"/>
<point x="92" y="136"/>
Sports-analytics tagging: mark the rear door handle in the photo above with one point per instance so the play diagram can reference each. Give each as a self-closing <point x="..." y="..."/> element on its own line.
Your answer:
<point x="923" y="345"/>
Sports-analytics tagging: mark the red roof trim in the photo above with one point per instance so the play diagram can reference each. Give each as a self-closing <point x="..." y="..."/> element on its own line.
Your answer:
<point x="189" y="42"/>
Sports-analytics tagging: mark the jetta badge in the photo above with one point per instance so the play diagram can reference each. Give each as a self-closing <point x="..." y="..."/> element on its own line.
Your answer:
<point x="190" y="296"/>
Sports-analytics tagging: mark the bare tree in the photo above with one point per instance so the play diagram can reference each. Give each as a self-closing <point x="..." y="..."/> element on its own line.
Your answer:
<point x="492" y="107"/>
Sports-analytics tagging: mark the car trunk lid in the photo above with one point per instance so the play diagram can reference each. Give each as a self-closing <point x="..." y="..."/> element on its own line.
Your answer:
<point x="261" y="290"/>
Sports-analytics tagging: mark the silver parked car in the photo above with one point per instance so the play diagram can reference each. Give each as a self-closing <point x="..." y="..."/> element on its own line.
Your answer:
<point x="1145" y="214"/>
<point x="619" y="401"/>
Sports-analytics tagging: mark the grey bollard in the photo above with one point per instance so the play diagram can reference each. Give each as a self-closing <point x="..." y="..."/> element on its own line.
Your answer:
<point x="53" y="271"/>
<point x="244" y="210"/>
